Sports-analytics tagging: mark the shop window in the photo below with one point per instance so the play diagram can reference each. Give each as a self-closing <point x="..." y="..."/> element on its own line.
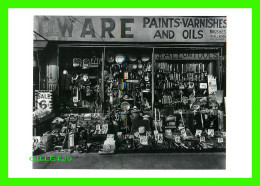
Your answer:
<point x="80" y="72"/>
<point x="128" y="82"/>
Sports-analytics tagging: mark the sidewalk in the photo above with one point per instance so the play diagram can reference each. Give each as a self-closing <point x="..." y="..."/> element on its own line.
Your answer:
<point x="134" y="161"/>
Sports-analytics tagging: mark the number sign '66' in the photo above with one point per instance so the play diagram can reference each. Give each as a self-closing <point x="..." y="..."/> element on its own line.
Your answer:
<point x="43" y="100"/>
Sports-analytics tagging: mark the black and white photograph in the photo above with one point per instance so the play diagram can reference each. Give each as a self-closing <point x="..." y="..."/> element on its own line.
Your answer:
<point x="129" y="92"/>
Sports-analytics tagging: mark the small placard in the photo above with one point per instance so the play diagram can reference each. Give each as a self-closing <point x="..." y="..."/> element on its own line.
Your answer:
<point x="181" y="87"/>
<point x="198" y="133"/>
<point x="203" y="86"/>
<point x="160" y="138"/>
<point x="220" y="140"/>
<point x="75" y="99"/>
<point x="202" y="138"/>
<point x="143" y="140"/>
<point x="211" y="132"/>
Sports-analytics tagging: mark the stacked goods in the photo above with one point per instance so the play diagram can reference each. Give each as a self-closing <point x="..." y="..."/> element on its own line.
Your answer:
<point x="47" y="142"/>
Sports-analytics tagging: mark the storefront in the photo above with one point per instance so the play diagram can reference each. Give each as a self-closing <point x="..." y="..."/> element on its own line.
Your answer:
<point x="130" y="84"/>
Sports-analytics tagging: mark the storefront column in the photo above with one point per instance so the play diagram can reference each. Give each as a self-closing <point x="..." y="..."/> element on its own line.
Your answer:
<point x="153" y="80"/>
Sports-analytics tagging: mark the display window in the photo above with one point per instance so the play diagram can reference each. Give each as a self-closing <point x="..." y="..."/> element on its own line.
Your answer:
<point x="80" y="72"/>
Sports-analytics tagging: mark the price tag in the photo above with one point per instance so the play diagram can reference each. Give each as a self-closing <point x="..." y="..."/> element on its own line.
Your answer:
<point x="75" y="99"/>
<point x="211" y="132"/>
<point x="160" y="138"/>
<point x="198" y="133"/>
<point x="220" y="140"/>
<point x="181" y="87"/>
<point x="143" y="140"/>
<point x="202" y="138"/>
<point x="203" y="86"/>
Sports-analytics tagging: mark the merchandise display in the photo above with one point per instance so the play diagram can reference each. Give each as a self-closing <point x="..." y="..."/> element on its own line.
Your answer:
<point x="80" y="85"/>
<point x="131" y="100"/>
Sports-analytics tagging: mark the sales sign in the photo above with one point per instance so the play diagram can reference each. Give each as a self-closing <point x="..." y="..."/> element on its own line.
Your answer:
<point x="130" y="29"/>
<point x="43" y="100"/>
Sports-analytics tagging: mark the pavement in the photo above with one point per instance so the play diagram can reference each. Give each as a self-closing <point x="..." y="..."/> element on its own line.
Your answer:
<point x="130" y="161"/>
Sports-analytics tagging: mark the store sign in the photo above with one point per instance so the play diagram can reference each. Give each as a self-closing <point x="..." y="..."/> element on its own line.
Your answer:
<point x="43" y="100"/>
<point x="131" y="29"/>
<point x="189" y="55"/>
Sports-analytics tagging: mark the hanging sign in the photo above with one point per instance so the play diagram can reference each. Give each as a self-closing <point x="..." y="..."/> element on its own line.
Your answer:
<point x="131" y="29"/>
<point x="43" y="100"/>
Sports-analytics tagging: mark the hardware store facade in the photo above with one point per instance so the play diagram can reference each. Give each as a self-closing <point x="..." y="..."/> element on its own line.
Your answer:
<point x="119" y="84"/>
